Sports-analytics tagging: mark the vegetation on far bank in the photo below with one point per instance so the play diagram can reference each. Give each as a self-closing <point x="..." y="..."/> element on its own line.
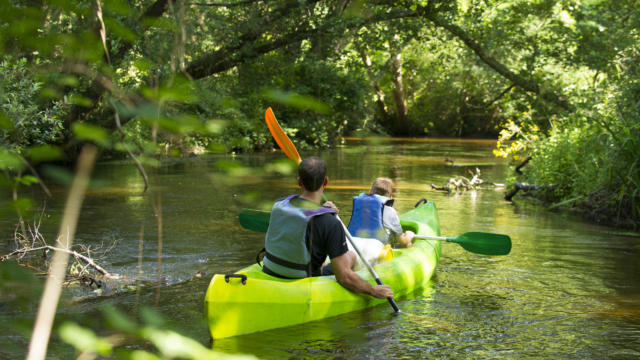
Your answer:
<point x="144" y="77"/>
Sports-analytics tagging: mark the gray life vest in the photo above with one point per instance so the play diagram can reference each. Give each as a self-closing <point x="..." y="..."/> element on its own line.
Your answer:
<point x="285" y="243"/>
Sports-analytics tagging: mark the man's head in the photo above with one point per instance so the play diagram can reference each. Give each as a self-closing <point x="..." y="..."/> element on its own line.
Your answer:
<point x="312" y="172"/>
<point x="382" y="186"/>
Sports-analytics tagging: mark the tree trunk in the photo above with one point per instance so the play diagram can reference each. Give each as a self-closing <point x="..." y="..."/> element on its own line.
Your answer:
<point x="402" y="123"/>
<point x="382" y="107"/>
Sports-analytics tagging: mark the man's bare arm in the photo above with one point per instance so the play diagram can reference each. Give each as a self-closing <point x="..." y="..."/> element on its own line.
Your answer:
<point x="349" y="279"/>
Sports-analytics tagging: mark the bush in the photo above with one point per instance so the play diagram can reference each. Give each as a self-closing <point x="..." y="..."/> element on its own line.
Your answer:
<point x="30" y="119"/>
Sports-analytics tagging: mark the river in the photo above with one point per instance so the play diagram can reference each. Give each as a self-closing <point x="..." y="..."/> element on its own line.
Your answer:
<point x="569" y="289"/>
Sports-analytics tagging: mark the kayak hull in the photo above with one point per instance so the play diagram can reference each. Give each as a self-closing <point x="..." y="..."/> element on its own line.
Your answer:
<point x="250" y="300"/>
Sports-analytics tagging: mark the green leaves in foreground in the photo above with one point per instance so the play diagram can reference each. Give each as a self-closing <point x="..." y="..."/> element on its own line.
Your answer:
<point x="296" y="100"/>
<point x="169" y="344"/>
<point x="84" y="340"/>
<point x="92" y="133"/>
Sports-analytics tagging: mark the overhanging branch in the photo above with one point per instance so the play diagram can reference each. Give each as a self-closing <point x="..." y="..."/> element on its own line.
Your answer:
<point x="525" y="84"/>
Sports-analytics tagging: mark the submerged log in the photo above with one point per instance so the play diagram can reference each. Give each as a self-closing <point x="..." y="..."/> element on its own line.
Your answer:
<point x="526" y="187"/>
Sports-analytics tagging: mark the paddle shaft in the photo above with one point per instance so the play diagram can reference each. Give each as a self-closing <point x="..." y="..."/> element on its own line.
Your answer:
<point x="431" y="237"/>
<point x="366" y="263"/>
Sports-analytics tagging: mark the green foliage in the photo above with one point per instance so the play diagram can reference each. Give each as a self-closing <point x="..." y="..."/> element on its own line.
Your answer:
<point x="342" y="91"/>
<point x="168" y="344"/>
<point x="33" y="119"/>
<point x="593" y="154"/>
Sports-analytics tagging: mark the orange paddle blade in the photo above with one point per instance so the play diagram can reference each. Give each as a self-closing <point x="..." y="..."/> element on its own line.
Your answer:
<point x="281" y="138"/>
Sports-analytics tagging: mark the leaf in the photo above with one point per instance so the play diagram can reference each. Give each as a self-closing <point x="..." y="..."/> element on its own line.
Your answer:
<point x="58" y="174"/>
<point x="173" y="345"/>
<point x="10" y="161"/>
<point x="120" y="7"/>
<point x="118" y="320"/>
<point x="5" y="123"/>
<point x="296" y="100"/>
<point x="180" y="90"/>
<point x="68" y="80"/>
<point x="121" y="31"/>
<point x="22" y="205"/>
<point x="83" y="339"/>
<point x="27" y="180"/>
<point x="232" y="168"/>
<point x="143" y="355"/>
<point x="283" y="166"/>
<point x="152" y="317"/>
<point x="92" y="133"/>
<point x="80" y="100"/>
<point x="44" y="153"/>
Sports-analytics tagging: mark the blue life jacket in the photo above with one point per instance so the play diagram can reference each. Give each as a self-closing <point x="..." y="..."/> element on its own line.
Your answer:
<point x="285" y="243"/>
<point x="366" y="219"/>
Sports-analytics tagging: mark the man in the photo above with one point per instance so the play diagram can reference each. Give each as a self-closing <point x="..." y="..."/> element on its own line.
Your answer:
<point x="299" y="223"/>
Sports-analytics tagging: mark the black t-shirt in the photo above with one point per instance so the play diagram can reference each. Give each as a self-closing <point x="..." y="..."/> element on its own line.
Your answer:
<point x="325" y="237"/>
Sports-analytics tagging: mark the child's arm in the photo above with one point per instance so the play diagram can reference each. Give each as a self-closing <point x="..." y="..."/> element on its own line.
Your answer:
<point x="405" y="238"/>
<point x="391" y="221"/>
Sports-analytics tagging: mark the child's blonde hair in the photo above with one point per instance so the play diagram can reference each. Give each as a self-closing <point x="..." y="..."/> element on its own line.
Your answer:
<point x="382" y="186"/>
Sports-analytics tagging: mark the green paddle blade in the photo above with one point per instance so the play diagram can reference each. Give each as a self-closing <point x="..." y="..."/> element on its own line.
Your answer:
<point x="256" y="220"/>
<point x="483" y="243"/>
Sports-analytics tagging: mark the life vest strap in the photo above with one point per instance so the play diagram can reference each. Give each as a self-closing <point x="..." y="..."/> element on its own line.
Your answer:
<point x="285" y="263"/>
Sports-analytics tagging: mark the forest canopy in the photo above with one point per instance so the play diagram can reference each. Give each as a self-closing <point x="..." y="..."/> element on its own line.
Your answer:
<point x="558" y="79"/>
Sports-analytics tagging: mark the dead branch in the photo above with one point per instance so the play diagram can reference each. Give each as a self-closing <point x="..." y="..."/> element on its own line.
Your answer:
<point x="526" y="187"/>
<point x="461" y="183"/>
<point x="522" y="164"/>
<point x="19" y="253"/>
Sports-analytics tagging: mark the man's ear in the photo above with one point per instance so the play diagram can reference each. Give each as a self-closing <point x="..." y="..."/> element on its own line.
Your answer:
<point x="326" y="181"/>
<point x="300" y="183"/>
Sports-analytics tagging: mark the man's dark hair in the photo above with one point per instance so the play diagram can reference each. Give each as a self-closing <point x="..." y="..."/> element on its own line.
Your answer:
<point x="312" y="172"/>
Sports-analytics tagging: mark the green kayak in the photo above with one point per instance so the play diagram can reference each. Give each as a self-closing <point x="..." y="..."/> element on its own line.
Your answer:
<point x="250" y="300"/>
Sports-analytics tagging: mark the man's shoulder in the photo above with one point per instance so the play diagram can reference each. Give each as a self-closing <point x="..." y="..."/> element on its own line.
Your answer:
<point x="327" y="218"/>
<point x="326" y="224"/>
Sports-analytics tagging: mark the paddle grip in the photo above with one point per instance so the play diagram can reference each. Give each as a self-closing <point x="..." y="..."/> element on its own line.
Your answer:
<point x="391" y="301"/>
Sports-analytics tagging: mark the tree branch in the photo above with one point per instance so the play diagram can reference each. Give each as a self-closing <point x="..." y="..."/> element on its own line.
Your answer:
<point x="227" y="5"/>
<point x="527" y="85"/>
<point x="75" y="254"/>
<point x="154" y="11"/>
<point x="229" y="57"/>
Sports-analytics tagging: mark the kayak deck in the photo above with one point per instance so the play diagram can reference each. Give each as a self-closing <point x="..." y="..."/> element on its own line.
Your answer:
<point x="250" y="300"/>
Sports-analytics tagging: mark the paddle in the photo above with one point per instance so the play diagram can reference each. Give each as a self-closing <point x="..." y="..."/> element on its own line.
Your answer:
<point x="280" y="137"/>
<point x="254" y="220"/>
<point x="477" y="242"/>
<point x="292" y="153"/>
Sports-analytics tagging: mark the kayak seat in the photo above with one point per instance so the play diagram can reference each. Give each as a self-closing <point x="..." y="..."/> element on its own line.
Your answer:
<point x="410" y="225"/>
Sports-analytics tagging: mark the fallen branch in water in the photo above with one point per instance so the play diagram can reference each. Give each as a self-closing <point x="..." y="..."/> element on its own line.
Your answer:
<point x="526" y="187"/>
<point x="32" y="241"/>
<point x="21" y="252"/>
<point x="462" y="183"/>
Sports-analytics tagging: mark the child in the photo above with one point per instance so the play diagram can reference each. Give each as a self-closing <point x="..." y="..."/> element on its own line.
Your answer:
<point x="374" y="216"/>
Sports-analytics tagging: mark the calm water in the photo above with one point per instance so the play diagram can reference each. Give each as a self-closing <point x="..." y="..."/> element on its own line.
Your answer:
<point x="569" y="289"/>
